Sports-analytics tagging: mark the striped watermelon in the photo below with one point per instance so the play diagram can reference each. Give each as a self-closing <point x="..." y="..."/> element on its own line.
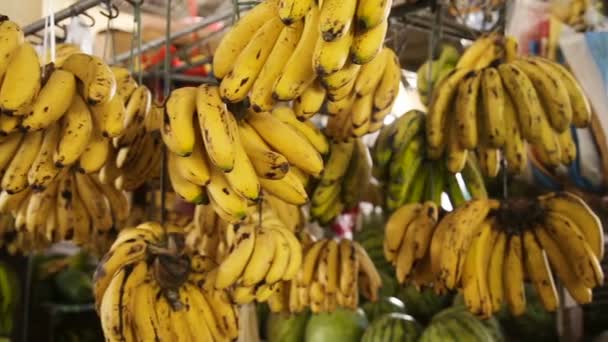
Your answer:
<point x="383" y="306"/>
<point x="393" y="327"/>
<point x="457" y="324"/>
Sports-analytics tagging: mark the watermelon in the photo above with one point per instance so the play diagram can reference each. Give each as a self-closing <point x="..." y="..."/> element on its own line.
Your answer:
<point x="383" y="306"/>
<point x="341" y="325"/>
<point x="458" y="324"/>
<point x="393" y="327"/>
<point x="282" y="327"/>
<point x="423" y="304"/>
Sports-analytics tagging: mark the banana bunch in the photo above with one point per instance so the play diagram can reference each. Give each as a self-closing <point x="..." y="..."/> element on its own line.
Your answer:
<point x="9" y="298"/>
<point x="332" y="274"/>
<point x="74" y="206"/>
<point x="357" y="102"/>
<point x="400" y="164"/>
<point x="439" y="69"/>
<point x="407" y="239"/>
<point x="343" y="181"/>
<point x="488" y="249"/>
<point x="500" y="103"/>
<point x="260" y="254"/>
<point x="228" y="163"/>
<point x="147" y="289"/>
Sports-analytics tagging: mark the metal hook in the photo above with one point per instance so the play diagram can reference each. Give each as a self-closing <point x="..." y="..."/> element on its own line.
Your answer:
<point x="91" y="22"/>
<point x="113" y="11"/>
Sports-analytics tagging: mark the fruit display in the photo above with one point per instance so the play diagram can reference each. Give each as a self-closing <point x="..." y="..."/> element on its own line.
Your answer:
<point x="502" y="102"/>
<point x="401" y="165"/>
<point x="456" y="324"/>
<point x="342" y="183"/>
<point x="342" y="325"/>
<point x="489" y="248"/>
<point x="393" y="327"/>
<point x="146" y="289"/>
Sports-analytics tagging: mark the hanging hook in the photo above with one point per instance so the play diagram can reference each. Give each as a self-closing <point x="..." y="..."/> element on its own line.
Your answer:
<point x="135" y="2"/>
<point x="91" y="22"/>
<point x="113" y="11"/>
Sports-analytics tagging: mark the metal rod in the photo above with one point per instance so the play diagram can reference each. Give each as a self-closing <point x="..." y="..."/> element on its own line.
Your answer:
<point x="163" y="40"/>
<point x="68" y="12"/>
<point x="166" y="91"/>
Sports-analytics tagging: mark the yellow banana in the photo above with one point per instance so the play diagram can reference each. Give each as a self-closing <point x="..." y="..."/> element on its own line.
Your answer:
<point x="539" y="271"/>
<point x="366" y="45"/>
<point x="15" y="175"/>
<point x="220" y="191"/>
<point x="12" y="37"/>
<point x="9" y="146"/>
<point x="466" y="111"/>
<point x="567" y="147"/>
<point x="52" y="102"/>
<point x="310" y="102"/>
<point x="95" y="154"/>
<point x="493" y="104"/>
<point x="267" y="163"/>
<point x="21" y="81"/>
<point x="243" y="178"/>
<point x="306" y="129"/>
<point x="43" y="170"/>
<point x="335" y="19"/>
<point x="234" y="264"/>
<point x="193" y="168"/>
<point x="514" y="277"/>
<point x="76" y="128"/>
<point x="178" y="123"/>
<point x="109" y="117"/>
<point x="362" y="114"/>
<point x="371" y="73"/>
<point x="261" y="258"/>
<point x="97" y="206"/>
<point x="125" y="84"/>
<point x="515" y="147"/>
<point x="98" y="79"/>
<point x="293" y="11"/>
<point x="342" y="77"/>
<point x="495" y="272"/>
<point x="371" y="13"/>
<point x="331" y="56"/>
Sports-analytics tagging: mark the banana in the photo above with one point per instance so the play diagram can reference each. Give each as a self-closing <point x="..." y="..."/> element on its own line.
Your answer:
<point x="464" y="224"/>
<point x="82" y="220"/>
<point x="440" y="107"/>
<point x="267" y="163"/>
<point x="581" y="111"/>
<point x="425" y="226"/>
<point x="154" y="118"/>
<point x="371" y="73"/>
<point x="261" y="92"/>
<point x="8" y="148"/>
<point x="397" y="224"/>
<point x="95" y="154"/>
<point x="366" y="45"/>
<point x="299" y="152"/>
<point x="405" y="258"/>
<point x="15" y="175"/>
<point x="205" y="312"/>
<point x="310" y="102"/>
<point x="388" y="88"/>
<point x="76" y="130"/>
<point x="572" y="241"/>
<point x="466" y="111"/>
<point x="552" y="93"/>
<point x="177" y="319"/>
<point x="243" y="178"/>
<point x="218" y="128"/>
<point x="349" y="264"/>
<point x="511" y="47"/>
<point x="310" y="261"/>
<point x="234" y="264"/>
<point x="146" y="321"/>
<point x="323" y="197"/>
<point x="97" y="206"/>
<point x="473" y="178"/>
<point x="281" y="258"/>
<point x="292" y="12"/>
<point x="362" y="114"/>
<point x="456" y="153"/>
<point x="295" y="248"/>
<point x="335" y="19"/>
<point x="236" y="84"/>
<point x="98" y="79"/>
<point x="524" y="96"/>
<point x="298" y="72"/>
<point x="109" y="117"/>
<point x="368" y="270"/>
<point x="178" y="120"/>
<point x="561" y="265"/>
<point x="403" y="171"/>
<point x="52" y="102"/>
<point x="473" y="53"/>
<point x="495" y="271"/>
<point x="224" y="312"/>
<point x="21" y="81"/>
<point x="289" y="188"/>
<point x="222" y="194"/>
<point x="331" y="56"/>
<point x="567" y="147"/>
<point x="38" y="209"/>
<point x="489" y="160"/>
<point x="119" y="203"/>
<point x="537" y="267"/>
<point x="493" y="104"/>
<point x="9" y="204"/>
<point x="136" y="110"/>
<point x="235" y="40"/>
<point x="12" y="37"/>
<point x="337" y="164"/>
<point x="514" y="277"/>
<point x="515" y="146"/>
<point x="333" y="255"/>
<point x="193" y="168"/>
<point x="579" y="212"/>
<point x="43" y="170"/>
<point x="110" y="311"/>
<point x="371" y="13"/>
<point x="341" y="77"/>
<point x="9" y="124"/>
<point x="307" y="129"/>
<point x="125" y="84"/>
<point x="493" y="54"/>
<point x="359" y="168"/>
<point x="163" y="310"/>
<point x="474" y="273"/>
<point x="261" y="259"/>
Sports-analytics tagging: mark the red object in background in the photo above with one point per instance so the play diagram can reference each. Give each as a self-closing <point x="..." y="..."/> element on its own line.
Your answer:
<point x="344" y="224"/>
<point x="158" y="57"/>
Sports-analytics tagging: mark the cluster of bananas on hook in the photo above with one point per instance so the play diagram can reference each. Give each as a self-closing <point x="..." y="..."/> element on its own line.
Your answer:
<point x="489" y="248"/>
<point x="73" y="207"/>
<point x="228" y="163"/>
<point x="146" y="288"/>
<point x="407" y="241"/>
<point x="400" y="164"/>
<point x="343" y="181"/>
<point x="333" y="273"/>
<point x="277" y="50"/>
<point x="500" y="103"/>
<point x="259" y="255"/>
